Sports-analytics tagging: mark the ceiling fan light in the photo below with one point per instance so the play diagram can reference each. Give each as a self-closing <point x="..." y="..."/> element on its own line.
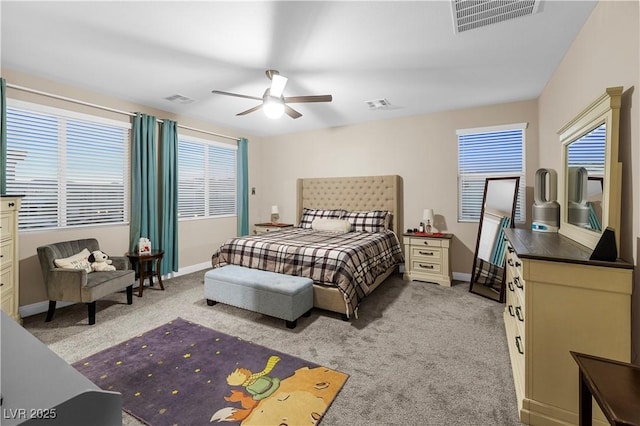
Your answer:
<point x="273" y="108"/>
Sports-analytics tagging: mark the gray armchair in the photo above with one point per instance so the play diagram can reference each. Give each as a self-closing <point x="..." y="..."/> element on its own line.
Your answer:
<point x="76" y="285"/>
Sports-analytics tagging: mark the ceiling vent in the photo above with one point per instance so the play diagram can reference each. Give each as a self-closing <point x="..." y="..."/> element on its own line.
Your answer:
<point x="377" y="104"/>
<point x="470" y="14"/>
<point x="180" y="99"/>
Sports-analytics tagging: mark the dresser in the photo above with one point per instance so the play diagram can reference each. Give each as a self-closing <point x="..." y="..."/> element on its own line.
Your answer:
<point x="9" y="267"/>
<point x="427" y="257"/>
<point x="559" y="301"/>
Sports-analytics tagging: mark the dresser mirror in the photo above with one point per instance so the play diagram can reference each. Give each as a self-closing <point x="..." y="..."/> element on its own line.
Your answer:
<point x="591" y="177"/>
<point x="498" y="211"/>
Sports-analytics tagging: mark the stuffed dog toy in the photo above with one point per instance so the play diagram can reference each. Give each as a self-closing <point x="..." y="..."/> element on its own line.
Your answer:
<point x="100" y="261"/>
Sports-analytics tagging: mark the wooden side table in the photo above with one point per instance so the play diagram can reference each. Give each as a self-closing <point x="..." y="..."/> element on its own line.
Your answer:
<point x="427" y="257"/>
<point x="613" y="384"/>
<point x="261" y="228"/>
<point x="145" y="264"/>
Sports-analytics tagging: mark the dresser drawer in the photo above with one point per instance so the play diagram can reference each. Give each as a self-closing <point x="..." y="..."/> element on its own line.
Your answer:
<point x="6" y="230"/>
<point x="426" y="267"/>
<point x="7" y="289"/>
<point x="6" y="249"/>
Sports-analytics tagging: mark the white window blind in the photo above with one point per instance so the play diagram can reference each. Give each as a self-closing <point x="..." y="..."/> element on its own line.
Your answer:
<point x="207" y="178"/>
<point x="589" y="152"/>
<point x="72" y="168"/>
<point x="489" y="152"/>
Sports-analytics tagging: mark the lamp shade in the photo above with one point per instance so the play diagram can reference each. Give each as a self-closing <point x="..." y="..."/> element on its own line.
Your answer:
<point x="274" y="210"/>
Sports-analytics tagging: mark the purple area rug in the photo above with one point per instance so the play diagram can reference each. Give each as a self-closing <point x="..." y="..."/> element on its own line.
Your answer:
<point x="182" y="373"/>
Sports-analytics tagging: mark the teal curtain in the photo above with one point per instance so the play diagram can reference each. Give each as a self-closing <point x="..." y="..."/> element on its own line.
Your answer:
<point x="3" y="132"/>
<point x="144" y="182"/>
<point x="243" y="188"/>
<point x="168" y="159"/>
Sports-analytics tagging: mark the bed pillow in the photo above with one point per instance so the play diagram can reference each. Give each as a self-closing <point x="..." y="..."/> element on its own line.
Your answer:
<point x="77" y="261"/>
<point x="369" y="221"/>
<point x="308" y="216"/>
<point x="337" y="226"/>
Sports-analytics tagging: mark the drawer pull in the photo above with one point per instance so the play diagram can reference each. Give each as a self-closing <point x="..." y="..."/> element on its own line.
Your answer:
<point x="511" y="310"/>
<point x="519" y="313"/>
<point x="426" y="243"/>
<point x="518" y="264"/>
<point x="426" y="253"/>
<point x="516" y="281"/>
<point x="11" y="204"/>
<point x="426" y="266"/>
<point x="511" y="250"/>
<point x="518" y="340"/>
<point x="510" y="262"/>
<point x="510" y="285"/>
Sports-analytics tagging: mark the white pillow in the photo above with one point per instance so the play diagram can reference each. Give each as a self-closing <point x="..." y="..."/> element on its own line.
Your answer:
<point x="77" y="261"/>
<point x="337" y="226"/>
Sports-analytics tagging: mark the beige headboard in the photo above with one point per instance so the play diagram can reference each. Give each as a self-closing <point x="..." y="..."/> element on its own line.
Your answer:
<point x="356" y="193"/>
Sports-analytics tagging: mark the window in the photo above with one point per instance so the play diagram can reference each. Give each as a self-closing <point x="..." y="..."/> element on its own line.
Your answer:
<point x="72" y="168"/>
<point x="207" y="175"/>
<point x="489" y="152"/>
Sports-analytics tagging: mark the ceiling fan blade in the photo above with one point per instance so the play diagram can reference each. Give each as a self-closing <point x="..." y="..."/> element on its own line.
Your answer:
<point x="237" y="95"/>
<point x="292" y="112"/>
<point x="278" y="84"/>
<point x="250" y="110"/>
<point x="300" y="99"/>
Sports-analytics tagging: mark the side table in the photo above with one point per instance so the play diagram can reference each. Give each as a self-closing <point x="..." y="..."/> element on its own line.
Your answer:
<point x="613" y="384"/>
<point x="261" y="228"/>
<point x="145" y="264"/>
<point x="427" y="257"/>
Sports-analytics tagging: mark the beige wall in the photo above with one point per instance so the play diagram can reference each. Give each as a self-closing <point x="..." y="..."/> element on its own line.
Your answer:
<point x="605" y="53"/>
<point x="197" y="238"/>
<point x="421" y="149"/>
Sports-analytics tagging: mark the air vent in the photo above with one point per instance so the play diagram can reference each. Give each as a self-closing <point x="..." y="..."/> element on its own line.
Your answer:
<point x="180" y="99"/>
<point x="471" y="14"/>
<point x="380" y="104"/>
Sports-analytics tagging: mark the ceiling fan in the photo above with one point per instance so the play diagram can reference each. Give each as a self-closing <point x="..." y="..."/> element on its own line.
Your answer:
<point x="274" y="103"/>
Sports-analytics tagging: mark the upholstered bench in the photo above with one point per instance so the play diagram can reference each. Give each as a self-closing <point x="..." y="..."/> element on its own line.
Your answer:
<point x="282" y="296"/>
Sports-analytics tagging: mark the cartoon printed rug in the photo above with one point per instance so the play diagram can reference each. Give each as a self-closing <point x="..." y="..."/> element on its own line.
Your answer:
<point x="182" y="373"/>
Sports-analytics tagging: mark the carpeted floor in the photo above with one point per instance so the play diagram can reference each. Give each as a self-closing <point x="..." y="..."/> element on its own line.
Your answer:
<point x="419" y="353"/>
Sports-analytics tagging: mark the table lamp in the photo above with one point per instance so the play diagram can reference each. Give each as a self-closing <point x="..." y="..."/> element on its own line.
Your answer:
<point x="275" y="214"/>
<point x="428" y="218"/>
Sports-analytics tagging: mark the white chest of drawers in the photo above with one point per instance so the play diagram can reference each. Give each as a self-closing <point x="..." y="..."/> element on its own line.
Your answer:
<point x="427" y="258"/>
<point x="559" y="301"/>
<point x="9" y="267"/>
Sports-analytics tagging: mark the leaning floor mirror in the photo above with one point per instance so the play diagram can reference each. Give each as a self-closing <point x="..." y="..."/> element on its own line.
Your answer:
<point x="498" y="212"/>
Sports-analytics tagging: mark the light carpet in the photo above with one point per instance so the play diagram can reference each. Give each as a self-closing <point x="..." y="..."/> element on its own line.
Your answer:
<point x="419" y="353"/>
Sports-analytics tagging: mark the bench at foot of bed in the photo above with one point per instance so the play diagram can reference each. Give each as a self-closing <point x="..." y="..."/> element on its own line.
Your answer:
<point x="282" y="296"/>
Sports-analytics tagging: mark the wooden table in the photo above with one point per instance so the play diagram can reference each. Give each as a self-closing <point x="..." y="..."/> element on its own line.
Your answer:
<point x="145" y="264"/>
<point x="613" y="384"/>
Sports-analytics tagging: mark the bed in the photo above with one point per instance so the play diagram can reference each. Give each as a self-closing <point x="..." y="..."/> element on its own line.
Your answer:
<point x="345" y="267"/>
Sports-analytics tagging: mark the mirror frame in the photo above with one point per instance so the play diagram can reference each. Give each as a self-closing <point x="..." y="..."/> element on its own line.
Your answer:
<point x="605" y="109"/>
<point x="499" y="295"/>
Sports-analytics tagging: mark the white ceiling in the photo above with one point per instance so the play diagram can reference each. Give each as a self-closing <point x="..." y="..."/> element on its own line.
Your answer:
<point x="406" y="52"/>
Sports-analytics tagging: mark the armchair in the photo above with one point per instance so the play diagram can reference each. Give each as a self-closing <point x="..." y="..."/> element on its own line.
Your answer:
<point x="76" y="285"/>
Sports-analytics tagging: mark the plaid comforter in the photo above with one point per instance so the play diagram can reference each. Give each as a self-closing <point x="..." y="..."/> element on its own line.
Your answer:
<point x="350" y="261"/>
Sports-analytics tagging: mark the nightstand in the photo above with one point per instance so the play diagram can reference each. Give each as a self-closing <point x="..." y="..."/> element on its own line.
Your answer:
<point x="427" y="257"/>
<point x="261" y="228"/>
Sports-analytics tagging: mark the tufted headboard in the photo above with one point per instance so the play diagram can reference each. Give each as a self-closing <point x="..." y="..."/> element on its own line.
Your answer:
<point x="353" y="193"/>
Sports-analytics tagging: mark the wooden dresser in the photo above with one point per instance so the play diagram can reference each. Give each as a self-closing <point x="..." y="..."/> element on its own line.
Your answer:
<point x="9" y="266"/>
<point x="560" y="301"/>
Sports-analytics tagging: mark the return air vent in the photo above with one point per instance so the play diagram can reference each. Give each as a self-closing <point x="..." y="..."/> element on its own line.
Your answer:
<point x="377" y="104"/>
<point x="470" y="14"/>
<point x="180" y="99"/>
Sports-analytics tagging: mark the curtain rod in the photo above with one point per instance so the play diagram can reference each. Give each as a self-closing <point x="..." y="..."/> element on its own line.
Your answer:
<point x="117" y="111"/>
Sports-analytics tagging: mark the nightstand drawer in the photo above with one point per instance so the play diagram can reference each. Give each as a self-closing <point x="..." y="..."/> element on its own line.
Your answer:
<point x="6" y="228"/>
<point x="426" y="253"/>
<point x="426" y="267"/>
<point x="425" y="242"/>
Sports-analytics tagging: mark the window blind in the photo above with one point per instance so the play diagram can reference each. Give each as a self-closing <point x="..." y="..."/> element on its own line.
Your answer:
<point x="71" y="168"/>
<point x="484" y="153"/>
<point x="207" y="178"/>
<point x="589" y="152"/>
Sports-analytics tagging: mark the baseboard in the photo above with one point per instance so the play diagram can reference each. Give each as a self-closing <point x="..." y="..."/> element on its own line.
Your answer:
<point x="40" y="307"/>
<point x="461" y="276"/>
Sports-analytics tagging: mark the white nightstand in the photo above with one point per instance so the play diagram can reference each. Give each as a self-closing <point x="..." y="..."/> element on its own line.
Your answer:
<point x="261" y="228"/>
<point x="427" y="258"/>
